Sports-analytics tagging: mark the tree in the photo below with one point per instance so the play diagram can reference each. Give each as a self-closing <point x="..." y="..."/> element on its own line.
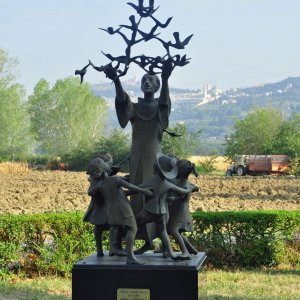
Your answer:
<point x="182" y="146"/>
<point x="14" y="121"/>
<point x="66" y="116"/>
<point x="8" y="71"/>
<point x="287" y="139"/>
<point x="255" y="133"/>
<point x="117" y="144"/>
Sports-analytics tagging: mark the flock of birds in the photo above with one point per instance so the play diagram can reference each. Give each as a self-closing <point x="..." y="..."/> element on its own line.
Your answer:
<point x="151" y="65"/>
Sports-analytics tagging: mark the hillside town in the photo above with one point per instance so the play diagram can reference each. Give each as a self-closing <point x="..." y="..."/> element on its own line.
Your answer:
<point x="208" y="94"/>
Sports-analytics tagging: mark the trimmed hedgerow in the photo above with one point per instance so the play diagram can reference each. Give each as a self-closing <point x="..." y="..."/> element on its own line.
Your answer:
<point x="245" y="238"/>
<point x="50" y="243"/>
<point x="44" y="243"/>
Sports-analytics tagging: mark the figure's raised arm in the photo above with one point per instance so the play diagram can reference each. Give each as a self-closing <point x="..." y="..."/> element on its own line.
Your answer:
<point x="164" y="97"/>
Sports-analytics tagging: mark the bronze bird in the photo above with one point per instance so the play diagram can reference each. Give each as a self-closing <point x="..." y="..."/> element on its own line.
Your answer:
<point x="110" y="30"/>
<point x="180" y="61"/>
<point x="159" y="24"/>
<point x="151" y="34"/>
<point x="180" y="44"/>
<point x="148" y="36"/>
<point x="99" y="69"/>
<point x="142" y="10"/>
<point x="82" y="72"/>
<point x="123" y="59"/>
<point x="134" y="24"/>
<point x="142" y="61"/>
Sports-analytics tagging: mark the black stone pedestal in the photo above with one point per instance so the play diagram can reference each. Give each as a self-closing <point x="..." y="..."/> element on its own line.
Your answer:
<point x="109" y="278"/>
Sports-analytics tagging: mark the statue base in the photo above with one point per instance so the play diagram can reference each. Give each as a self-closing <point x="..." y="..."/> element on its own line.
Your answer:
<point x="109" y="278"/>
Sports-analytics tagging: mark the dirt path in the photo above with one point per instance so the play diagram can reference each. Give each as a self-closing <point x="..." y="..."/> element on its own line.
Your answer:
<point x="40" y="191"/>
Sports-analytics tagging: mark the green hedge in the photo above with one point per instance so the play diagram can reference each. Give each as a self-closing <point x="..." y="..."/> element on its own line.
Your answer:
<point x="247" y="238"/>
<point x="50" y="243"/>
<point x="44" y="243"/>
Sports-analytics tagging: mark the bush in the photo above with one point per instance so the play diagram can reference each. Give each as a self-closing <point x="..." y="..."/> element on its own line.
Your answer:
<point x="245" y="239"/>
<point x="117" y="144"/>
<point x="44" y="243"/>
<point x="39" y="159"/>
<point x="295" y="164"/>
<point x="207" y="166"/>
<point x="50" y="243"/>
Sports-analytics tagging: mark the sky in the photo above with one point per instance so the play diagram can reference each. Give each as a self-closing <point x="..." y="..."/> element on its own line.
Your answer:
<point x="236" y="43"/>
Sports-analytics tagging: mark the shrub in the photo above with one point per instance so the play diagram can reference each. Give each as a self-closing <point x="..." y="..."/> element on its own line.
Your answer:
<point x="245" y="239"/>
<point x="207" y="166"/>
<point x="295" y="164"/>
<point x="50" y="243"/>
<point x="38" y="159"/>
<point x="44" y="243"/>
<point x="117" y="144"/>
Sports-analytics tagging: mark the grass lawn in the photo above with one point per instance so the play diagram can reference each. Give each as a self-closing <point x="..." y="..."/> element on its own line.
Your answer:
<point x="260" y="284"/>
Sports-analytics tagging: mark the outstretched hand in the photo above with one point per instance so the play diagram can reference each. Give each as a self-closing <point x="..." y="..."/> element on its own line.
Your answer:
<point x="110" y="72"/>
<point x="147" y="192"/>
<point x="167" y="69"/>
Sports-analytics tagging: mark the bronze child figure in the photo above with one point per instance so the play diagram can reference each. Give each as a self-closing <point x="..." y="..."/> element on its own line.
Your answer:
<point x="180" y="219"/>
<point x="120" y="213"/>
<point x="97" y="212"/>
<point x="155" y="208"/>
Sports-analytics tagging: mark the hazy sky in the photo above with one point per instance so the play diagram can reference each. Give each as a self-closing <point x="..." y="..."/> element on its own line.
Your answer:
<point x="235" y="43"/>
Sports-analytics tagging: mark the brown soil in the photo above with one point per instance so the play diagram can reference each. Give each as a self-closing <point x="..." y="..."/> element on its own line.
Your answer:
<point x="35" y="191"/>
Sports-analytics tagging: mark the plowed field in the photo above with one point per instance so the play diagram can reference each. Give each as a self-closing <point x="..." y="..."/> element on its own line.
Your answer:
<point x="39" y="191"/>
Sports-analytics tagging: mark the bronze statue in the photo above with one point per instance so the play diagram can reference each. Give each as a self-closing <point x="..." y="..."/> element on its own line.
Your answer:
<point x="180" y="219"/>
<point x="120" y="213"/>
<point x="149" y="118"/>
<point x="156" y="207"/>
<point x="97" y="212"/>
<point x="133" y="35"/>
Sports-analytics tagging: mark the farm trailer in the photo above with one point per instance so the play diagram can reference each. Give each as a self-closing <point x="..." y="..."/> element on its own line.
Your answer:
<point x="259" y="165"/>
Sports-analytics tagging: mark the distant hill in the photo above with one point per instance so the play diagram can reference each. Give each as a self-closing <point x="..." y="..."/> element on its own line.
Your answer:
<point x="215" y="111"/>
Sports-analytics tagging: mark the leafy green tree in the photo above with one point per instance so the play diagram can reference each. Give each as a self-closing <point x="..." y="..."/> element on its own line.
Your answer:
<point x="117" y="144"/>
<point x="254" y="134"/>
<point x="182" y="146"/>
<point x="8" y="70"/>
<point x="287" y="139"/>
<point x="14" y="121"/>
<point x="66" y="116"/>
